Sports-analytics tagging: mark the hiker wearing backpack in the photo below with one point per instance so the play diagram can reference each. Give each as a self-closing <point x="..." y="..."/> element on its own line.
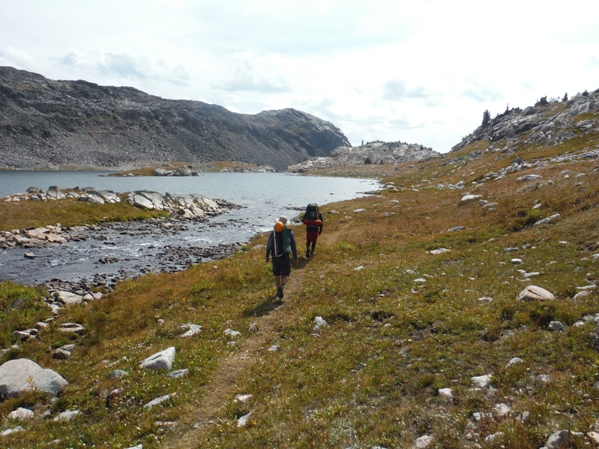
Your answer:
<point x="281" y="242"/>
<point x="314" y="223"/>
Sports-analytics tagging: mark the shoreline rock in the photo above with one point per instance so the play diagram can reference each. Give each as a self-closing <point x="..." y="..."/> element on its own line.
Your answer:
<point x="187" y="207"/>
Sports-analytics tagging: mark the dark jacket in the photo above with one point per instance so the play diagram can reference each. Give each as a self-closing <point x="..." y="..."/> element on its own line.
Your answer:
<point x="270" y="246"/>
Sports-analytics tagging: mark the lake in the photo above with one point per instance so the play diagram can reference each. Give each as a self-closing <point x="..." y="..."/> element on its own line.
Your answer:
<point x="263" y="197"/>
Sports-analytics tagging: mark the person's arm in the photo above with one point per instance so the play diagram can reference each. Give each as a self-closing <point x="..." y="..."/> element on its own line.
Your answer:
<point x="293" y="246"/>
<point x="322" y="223"/>
<point x="269" y="246"/>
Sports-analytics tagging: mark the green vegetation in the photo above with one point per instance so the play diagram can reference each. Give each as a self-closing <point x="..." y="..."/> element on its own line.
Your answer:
<point x="67" y="212"/>
<point x="372" y="375"/>
<point x="202" y="167"/>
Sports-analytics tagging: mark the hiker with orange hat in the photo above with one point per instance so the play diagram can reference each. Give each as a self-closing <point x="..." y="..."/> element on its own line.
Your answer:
<point x="281" y="242"/>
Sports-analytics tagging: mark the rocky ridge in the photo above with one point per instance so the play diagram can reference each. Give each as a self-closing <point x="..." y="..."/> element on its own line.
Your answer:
<point x="377" y="152"/>
<point x="546" y="124"/>
<point x="46" y="123"/>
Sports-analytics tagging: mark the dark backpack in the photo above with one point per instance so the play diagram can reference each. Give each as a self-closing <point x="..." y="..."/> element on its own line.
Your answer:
<point x="312" y="212"/>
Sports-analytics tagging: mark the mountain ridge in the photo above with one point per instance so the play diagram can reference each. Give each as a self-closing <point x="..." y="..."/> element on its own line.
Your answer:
<point x="47" y="123"/>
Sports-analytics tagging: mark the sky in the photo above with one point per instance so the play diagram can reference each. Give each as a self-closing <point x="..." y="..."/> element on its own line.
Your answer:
<point x="417" y="71"/>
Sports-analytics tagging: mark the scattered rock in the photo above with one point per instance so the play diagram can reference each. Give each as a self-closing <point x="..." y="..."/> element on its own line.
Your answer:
<point x="157" y="401"/>
<point x="68" y="298"/>
<point x="118" y="374"/>
<point x="244" y="398"/>
<point x="556" y="326"/>
<point x="178" y="374"/>
<point x="494" y="437"/>
<point x="514" y="361"/>
<point x="548" y="219"/>
<point x="61" y="354"/>
<point x="318" y="323"/>
<point x="11" y="431"/>
<point x="534" y="293"/>
<point x="481" y="381"/>
<point x="67" y="416"/>
<point x="561" y="439"/>
<point x="193" y="329"/>
<point x="469" y="198"/>
<point x="19" y="375"/>
<point x="21" y="413"/>
<point x="439" y="251"/>
<point x="71" y="327"/>
<point x="243" y="421"/>
<point x="231" y="333"/>
<point x="423" y="442"/>
<point x="502" y="410"/>
<point x="160" y="360"/>
<point x="446" y="394"/>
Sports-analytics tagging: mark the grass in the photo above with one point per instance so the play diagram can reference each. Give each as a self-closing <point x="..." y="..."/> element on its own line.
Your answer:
<point x="67" y="212"/>
<point x="371" y="377"/>
<point x="202" y="167"/>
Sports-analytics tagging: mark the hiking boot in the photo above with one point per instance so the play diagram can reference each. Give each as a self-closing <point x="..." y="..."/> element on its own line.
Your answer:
<point x="279" y="292"/>
<point x="307" y="254"/>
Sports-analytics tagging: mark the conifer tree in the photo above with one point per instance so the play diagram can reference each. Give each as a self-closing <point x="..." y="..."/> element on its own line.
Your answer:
<point x="486" y="118"/>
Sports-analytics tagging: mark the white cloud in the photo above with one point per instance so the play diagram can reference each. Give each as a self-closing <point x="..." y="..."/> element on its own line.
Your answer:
<point x="421" y="72"/>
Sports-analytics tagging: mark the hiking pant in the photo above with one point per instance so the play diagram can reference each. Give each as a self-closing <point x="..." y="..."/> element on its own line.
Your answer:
<point x="281" y="266"/>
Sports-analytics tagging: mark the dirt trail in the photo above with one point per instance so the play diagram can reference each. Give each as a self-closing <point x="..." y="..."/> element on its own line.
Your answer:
<point x="222" y="388"/>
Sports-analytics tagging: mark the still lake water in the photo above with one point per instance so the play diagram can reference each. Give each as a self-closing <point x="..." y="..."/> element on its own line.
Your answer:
<point x="263" y="197"/>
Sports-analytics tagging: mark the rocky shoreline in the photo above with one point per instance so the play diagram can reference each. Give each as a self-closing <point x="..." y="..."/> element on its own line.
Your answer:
<point x="184" y="211"/>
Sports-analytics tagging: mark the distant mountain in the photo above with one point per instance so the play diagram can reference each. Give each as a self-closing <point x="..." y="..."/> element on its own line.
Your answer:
<point x="377" y="152"/>
<point x="45" y="123"/>
<point x="568" y="123"/>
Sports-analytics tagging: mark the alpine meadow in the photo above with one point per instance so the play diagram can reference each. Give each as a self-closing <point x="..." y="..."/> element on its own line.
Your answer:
<point x="456" y="308"/>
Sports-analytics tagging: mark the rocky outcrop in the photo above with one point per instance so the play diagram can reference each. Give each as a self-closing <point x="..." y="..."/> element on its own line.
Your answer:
<point x="46" y="123"/>
<point x="371" y="153"/>
<point x="547" y="123"/>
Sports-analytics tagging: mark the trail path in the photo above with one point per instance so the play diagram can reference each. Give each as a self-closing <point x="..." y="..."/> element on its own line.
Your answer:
<point x="222" y="388"/>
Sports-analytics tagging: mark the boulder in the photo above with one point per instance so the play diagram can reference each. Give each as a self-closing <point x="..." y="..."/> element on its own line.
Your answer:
<point x="19" y="375"/>
<point x="562" y="438"/>
<point x="532" y="292"/>
<point x="71" y="327"/>
<point x="21" y="413"/>
<point x="469" y="198"/>
<point x="160" y="360"/>
<point x="68" y="298"/>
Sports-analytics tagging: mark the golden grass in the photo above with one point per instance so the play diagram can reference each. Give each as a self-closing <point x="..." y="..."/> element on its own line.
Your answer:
<point x="67" y="212"/>
<point x="371" y="377"/>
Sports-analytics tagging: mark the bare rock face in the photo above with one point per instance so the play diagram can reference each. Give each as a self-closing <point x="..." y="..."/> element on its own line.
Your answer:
<point x="19" y="375"/>
<point x="370" y="153"/>
<point x="46" y="123"/>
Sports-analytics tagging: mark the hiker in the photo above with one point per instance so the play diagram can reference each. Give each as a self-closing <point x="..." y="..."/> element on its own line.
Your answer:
<point x="314" y="223"/>
<point x="281" y="242"/>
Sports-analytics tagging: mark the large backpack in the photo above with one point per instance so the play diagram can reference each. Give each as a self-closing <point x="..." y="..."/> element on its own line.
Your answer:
<point x="282" y="242"/>
<point x="312" y="212"/>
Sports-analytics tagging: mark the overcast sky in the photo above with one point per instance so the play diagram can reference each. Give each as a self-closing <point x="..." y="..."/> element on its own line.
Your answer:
<point x="418" y="71"/>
